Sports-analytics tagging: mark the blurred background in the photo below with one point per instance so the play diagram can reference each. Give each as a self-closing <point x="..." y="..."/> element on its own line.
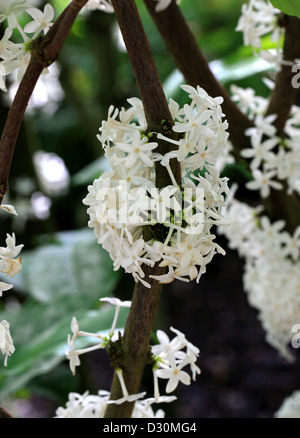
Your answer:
<point x="65" y="272"/>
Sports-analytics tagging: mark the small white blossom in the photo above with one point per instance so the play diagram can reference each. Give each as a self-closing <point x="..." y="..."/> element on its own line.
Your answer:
<point x="42" y="21"/>
<point x="9" y="208"/>
<point x="263" y="182"/>
<point x="171" y="357"/>
<point x="6" y="343"/>
<point x="174" y="374"/>
<point x="258" y="18"/>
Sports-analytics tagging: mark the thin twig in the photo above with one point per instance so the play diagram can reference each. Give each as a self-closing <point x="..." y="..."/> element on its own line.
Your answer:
<point x="284" y="94"/>
<point x="44" y="52"/>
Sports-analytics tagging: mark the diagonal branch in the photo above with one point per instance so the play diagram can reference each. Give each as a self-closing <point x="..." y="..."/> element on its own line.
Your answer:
<point x="192" y="63"/>
<point x="284" y="94"/>
<point x="44" y="52"/>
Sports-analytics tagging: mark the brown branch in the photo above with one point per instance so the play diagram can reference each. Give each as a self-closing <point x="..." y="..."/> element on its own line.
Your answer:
<point x="192" y="63"/>
<point x="284" y="94"/>
<point x="44" y="52"/>
<point x="147" y="79"/>
<point x="135" y="343"/>
<point x="4" y="413"/>
<point x="142" y="63"/>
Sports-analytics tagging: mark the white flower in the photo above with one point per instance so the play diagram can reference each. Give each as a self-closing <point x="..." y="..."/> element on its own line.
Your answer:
<point x="170" y="359"/>
<point x="263" y="182"/>
<point x="259" y="151"/>
<point x="165" y="346"/>
<point x="173" y="373"/>
<point x="6" y="46"/>
<point x="9" y="208"/>
<point x="8" y="264"/>
<point x="72" y="355"/>
<point x="263" y="126"/>
<point x="6" y="343"/>
<point x="9" y="9"/>
<point x="258" y="18"/>
<point x="137" y="149"/>
<point x="42" y="21"/>
<point x="195" y="122"/>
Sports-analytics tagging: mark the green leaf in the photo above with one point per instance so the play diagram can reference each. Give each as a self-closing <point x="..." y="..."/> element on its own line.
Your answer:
<point x="90" y="172"/>
<point x="63" y="280"/>
<point x="75" y="264"/>
<point x="42" y="347"/>
<point x="289" y="7"/>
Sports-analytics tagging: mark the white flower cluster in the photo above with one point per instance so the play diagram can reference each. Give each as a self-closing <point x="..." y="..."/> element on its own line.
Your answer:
<point x="122" y="201"/>
<point x="272" y="158"/>
<point x="94" y="406"/>
<point x="259" y="18"/>
<point x="272" y="270"/>
<point x="169" y="358"/>
<point x="9" y="265"/>
<point x="14" y="54"/>
<point x="290" y="407"/>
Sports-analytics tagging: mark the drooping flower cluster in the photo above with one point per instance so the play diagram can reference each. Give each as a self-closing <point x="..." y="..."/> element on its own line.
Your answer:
<point x="10" y="266"/>
<point x="14" y="53"/>
<point x="169" y="359"/>
<point x="125" y="200"/>
<point x="272" y="270"/>
<point x="272" y="158"/>
<point x="290" y="407"/>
